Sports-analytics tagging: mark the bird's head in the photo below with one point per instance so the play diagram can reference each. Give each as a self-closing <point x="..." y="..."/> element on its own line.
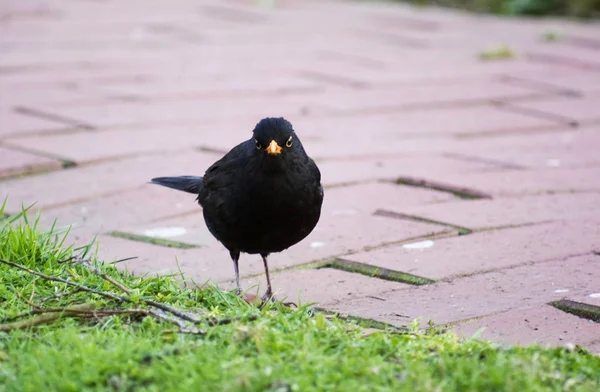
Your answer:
<point x="275" y="137"/>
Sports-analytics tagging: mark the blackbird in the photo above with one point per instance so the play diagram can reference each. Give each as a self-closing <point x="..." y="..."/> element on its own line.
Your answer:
<point x="263" y="196"/>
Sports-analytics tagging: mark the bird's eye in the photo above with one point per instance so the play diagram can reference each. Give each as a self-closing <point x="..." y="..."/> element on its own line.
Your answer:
<point x="289" y="142"/>
<point x="258" y="146"/>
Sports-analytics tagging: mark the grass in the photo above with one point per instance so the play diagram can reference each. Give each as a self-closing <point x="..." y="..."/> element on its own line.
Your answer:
<point x="586" y="311"/>
<point x="376" y="272"/>
<point x="270" y="349"/>
<point x="498" y="53"/>
<point x="551" y="36"/>
<point x="538" y="8"/>
<point x="152" y="240"/>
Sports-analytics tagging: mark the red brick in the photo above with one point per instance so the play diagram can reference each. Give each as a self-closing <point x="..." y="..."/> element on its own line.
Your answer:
<point x="436" y="122"/>
<point x="14" y="162"/>
<point x="346" y="211"/>
<point x="85" y="147"/>
<point x="86" y="182"/>
<point x="466" y="255"/>
<point x="543" y="325"/>
<point x="568" y="148"/>
<point x="340" y="171"/>
<point x="55" y="95"/>
<point x="425" y="96"/>
<point x="579" y="81"/>
<point x="199" y="265"/>
<point x="206" y="87"/>
<point x="320" y="286"/>
<point x="511" y="211"/>
<point x="12" y="123"/>
<point x="128" y="113"/>
<point x="512" y="183"/>
<point x="144" y="204"/>
<point x="581" y="110"/>
<point x="480" y="295"/>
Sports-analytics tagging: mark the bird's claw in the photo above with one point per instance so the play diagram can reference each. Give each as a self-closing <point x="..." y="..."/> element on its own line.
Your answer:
<point x="268" y="296"/>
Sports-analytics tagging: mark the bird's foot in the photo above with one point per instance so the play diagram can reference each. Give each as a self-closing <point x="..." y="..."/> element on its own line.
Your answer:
<point x="267" y="296"/>
<point x="237" y="291"/>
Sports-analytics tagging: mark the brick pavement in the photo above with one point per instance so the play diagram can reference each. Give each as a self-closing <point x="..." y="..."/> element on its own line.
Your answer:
<point x="482" y="177"/>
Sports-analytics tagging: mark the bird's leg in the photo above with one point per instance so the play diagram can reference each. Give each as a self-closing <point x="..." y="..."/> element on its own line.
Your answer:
<point x="269" y="293"/>
<point x="235" y="256"/>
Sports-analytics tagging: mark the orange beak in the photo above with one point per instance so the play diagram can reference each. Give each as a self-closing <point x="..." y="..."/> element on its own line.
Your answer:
<point x="273" y="148"/>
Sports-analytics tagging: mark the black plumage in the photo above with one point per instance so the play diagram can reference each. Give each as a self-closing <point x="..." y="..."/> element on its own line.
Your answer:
<point x="262" y="197"/>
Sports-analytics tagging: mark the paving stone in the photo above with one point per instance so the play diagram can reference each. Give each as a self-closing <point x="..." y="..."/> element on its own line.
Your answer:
<point x="401" y="92"/>
<point x="462" y="121"/>
<point x="582" y="110"/>
<point x="86" y="147"/>
<point x="580" y="81"/>
<point x="12" y="123"/>
<point x="125" y="114"/>
<point x="344" y="171"/>
<point x="342" y="136"/>
<point x="425" y="96"/>
<point x="479" y="214"/>
<point x="60" y="94"/>
<point x="14" y="162"/>
<point x="199" y="265"/>
<point x="480" y="295"/>
<point x="320" y="286"/>
<point x="345" y="211"/>
<point x="543" y="325"/>
<point x="514" y="183"/>
<point x="145" y="203"/>
<point x="86" y="182"/>
<point x="570" y="148"/>
<point x="466" y="255"/>
<point x="594" y="348"/>
<point x="215" y="86"/>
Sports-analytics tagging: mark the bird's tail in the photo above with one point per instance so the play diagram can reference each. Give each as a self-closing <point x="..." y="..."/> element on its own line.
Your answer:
<point x="190" y="184"/>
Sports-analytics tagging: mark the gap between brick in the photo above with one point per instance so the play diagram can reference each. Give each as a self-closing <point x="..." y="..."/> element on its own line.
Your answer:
<point x="510" y="107"/>
<point x="397" y="215"/>
<point x="152" y="240"/>
<point x="460" y="192"/>
<point x="487" y="161"/>
<point x="579" y="309"/>
<point x="361" y="321"/>
<point x="54" y="117"/>
<point x="376" y="272"/>
<point x="540" y="86"/>
<point x="64" y="162"/>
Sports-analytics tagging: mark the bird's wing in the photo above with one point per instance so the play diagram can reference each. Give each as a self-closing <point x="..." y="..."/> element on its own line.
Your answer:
<point x="222" y="172"/>
<point x="314" y="169"/>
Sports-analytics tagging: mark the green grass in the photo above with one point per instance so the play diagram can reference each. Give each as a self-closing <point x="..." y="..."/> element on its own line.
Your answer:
<point x="590" y="312"/>
<point x="152" y="240"/>
<point x="498" y="53"/>
<point x="270" y="349"/>
<point x="376" y="272"/>
<point x="551" y="36"/>
<point x="569" y="8"/>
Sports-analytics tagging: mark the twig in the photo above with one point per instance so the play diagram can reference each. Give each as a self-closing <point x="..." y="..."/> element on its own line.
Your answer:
<point x="123" y="260"/>
<point x="19" y="316"/>
<point x="96" y="271"/>
<point x="67" y="282"/>
<point x="157" y="314"/>
<point x="176" y="312"/>
<point x="46" y="318"/>
<point x="59" y="295"/>
<point x="177" y="316"/>
<point x="104" y="294"/>
<point x="230" y="320"/>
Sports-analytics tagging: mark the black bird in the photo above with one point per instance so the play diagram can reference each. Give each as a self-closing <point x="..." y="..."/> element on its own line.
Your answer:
<point x="263" y="196"/>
